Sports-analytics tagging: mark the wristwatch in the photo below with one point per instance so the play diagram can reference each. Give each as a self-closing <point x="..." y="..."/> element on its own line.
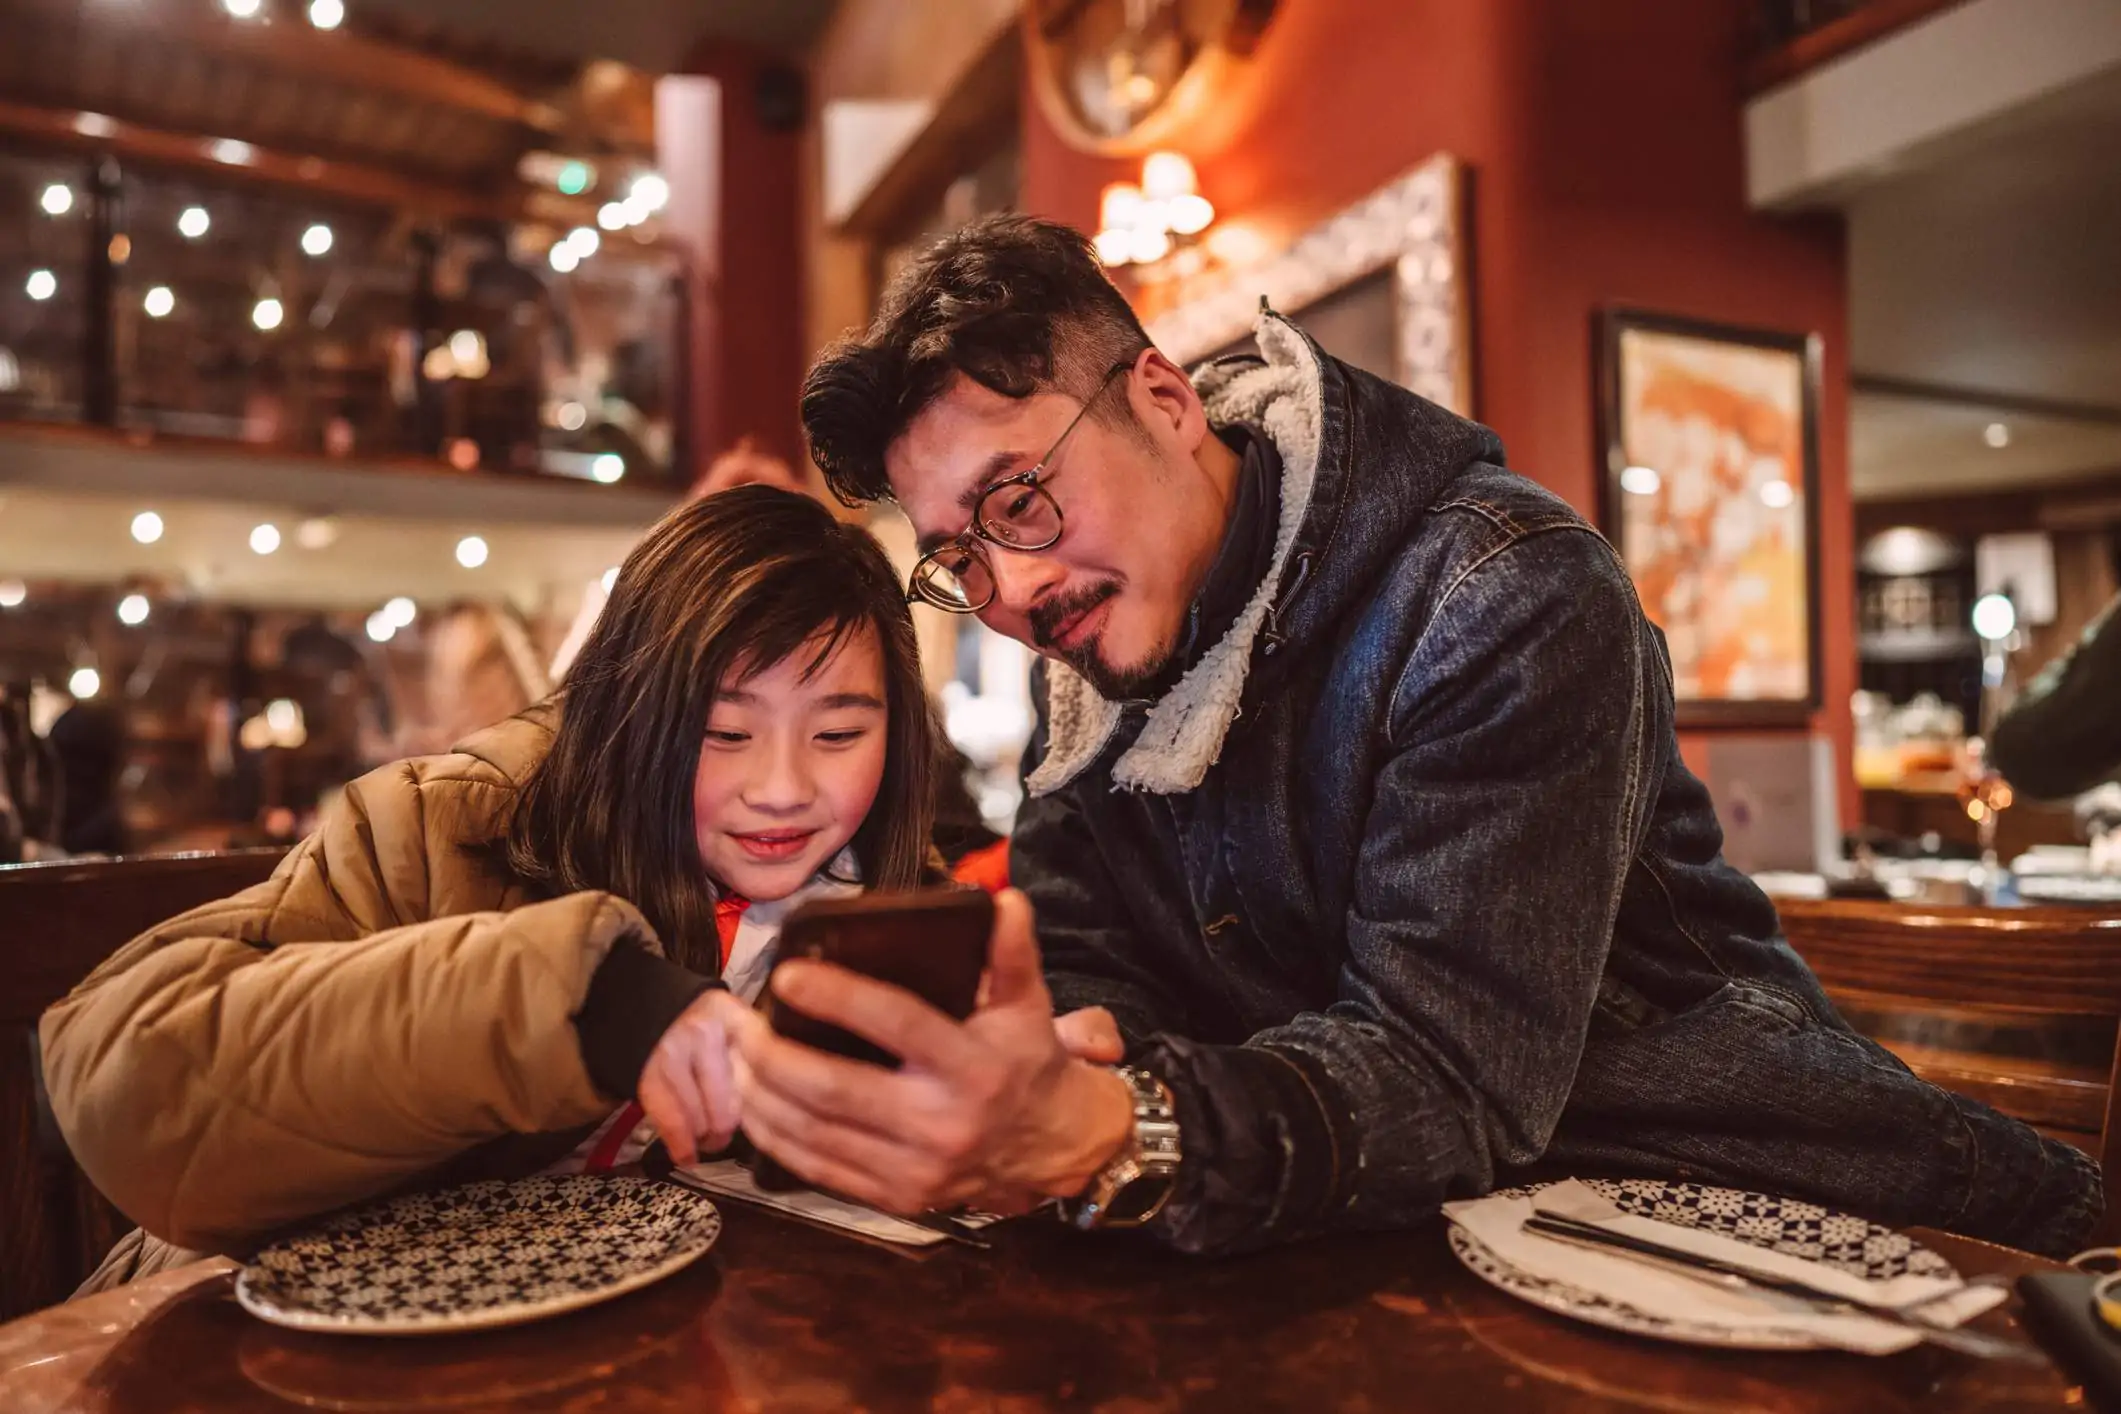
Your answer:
<point x="1135" y="1183"/>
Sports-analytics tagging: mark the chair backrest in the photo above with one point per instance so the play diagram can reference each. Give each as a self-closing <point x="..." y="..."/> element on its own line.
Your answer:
<point x="58" y="921"/>
<point x="2000" y="964"/>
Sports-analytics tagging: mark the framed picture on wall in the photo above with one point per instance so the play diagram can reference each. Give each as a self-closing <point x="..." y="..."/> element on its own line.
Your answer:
<point x="1711" y="495"/>
<point x="1381" y="284"/>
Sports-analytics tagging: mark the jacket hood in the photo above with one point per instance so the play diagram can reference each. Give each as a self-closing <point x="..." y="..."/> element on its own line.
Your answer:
<point x="515" y="744"/>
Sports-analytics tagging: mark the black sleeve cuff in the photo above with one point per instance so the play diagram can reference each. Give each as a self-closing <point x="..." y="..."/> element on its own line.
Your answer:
<point x="1268" y="1144"/>
<point x="632" y="1000"/>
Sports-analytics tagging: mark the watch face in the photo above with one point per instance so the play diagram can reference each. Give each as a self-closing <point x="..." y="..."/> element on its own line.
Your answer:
<point x="1109" y="71"/>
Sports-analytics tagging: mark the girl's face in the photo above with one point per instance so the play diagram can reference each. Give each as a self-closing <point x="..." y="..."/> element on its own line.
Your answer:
<point x="790" y="767"/>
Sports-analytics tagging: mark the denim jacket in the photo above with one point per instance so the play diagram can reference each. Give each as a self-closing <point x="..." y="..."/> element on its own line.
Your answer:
<point x="1404" y="890"/>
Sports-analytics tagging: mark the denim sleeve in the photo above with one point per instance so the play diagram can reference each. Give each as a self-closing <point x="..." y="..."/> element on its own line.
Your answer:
<point x="1084" y="936"/>
<point x="1515" y="788"/>
<point x="2064" y="736"/>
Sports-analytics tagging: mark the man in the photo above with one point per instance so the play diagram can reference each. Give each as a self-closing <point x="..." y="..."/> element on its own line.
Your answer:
<point x="1356" y="804"/>
<point x="2063" y="737"/>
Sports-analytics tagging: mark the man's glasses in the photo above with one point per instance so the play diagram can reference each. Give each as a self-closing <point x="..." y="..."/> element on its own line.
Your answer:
<point x="1017" y="513"/>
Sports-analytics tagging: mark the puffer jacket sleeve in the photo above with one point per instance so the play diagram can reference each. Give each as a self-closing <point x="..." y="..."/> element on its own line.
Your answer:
<point x="324" y="1036"/>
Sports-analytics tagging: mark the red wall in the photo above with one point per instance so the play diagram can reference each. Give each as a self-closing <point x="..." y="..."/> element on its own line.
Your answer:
<point x="747" y="287"/>
<point x="1607" y="154"/>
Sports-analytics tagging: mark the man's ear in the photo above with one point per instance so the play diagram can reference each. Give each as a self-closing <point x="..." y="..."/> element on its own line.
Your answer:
<point x="1165" y="402"/>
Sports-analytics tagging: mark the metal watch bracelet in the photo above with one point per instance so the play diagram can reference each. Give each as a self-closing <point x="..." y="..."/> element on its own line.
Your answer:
<point x="1135" y="1183"/>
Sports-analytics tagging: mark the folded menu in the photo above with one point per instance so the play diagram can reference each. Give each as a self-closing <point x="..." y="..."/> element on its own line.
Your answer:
<point x="730" y="1179"/>
<point x="1498" y="1222"/>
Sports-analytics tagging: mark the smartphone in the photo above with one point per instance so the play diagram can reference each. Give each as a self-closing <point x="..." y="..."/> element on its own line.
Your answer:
<point x="933" y="943"/>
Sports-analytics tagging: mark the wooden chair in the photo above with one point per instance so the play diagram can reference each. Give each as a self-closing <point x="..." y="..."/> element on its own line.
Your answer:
<point x="58" y="921"/>
<point x="2005" y="966"/>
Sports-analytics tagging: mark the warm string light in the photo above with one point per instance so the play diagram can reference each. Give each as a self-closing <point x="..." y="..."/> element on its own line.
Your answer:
<point x="648" y="194"/>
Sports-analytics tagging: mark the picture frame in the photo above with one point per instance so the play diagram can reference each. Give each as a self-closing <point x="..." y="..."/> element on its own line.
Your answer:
<point x="1710" y="439"/>
<point x="1410" y="233"/>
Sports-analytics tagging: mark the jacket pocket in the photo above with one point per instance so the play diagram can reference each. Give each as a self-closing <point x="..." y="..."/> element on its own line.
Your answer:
<point x="1761" y="1009"/>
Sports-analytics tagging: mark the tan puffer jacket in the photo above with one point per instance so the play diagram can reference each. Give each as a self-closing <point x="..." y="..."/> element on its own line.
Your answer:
<point x="383" y="1011"/>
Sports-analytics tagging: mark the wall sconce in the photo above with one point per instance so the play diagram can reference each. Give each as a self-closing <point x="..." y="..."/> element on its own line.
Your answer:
<point x="1158" y="223"/>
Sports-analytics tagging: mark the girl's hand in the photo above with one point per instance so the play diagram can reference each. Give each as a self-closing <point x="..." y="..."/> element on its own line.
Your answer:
<point x="687" y="1088"/>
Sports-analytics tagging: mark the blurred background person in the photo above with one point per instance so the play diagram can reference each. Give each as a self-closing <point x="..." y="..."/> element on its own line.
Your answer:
<point x="2063" y="736"/>
<point x="88" y="741"/>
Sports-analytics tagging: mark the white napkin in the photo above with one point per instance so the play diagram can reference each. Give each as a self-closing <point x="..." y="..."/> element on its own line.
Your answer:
<point x="1498" y="1223"/>
<point x="732" y="1180"/>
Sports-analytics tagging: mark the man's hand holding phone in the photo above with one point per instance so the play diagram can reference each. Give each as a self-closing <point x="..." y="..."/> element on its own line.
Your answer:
<point x="995" y="1110"/>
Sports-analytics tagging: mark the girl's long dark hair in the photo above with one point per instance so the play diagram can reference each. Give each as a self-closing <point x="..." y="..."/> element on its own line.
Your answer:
<point x="732" y="583"/>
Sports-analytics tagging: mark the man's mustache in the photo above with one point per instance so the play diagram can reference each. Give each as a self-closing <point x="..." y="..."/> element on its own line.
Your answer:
<point x="1047" y="618"/>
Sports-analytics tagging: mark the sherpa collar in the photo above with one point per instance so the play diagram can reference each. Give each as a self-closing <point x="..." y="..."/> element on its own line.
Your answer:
<point x="1184" y="733"/>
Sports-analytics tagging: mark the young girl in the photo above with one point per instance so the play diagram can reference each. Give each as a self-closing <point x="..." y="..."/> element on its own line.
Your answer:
<point x="496" y="961"/>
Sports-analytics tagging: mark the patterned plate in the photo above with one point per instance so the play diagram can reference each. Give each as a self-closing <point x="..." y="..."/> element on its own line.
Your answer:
<point x="484" y="1255"/>
<point x="1856" y="1246"/>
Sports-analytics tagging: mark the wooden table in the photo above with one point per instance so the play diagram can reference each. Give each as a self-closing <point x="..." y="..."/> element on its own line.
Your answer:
<point x="785" y="1317"/>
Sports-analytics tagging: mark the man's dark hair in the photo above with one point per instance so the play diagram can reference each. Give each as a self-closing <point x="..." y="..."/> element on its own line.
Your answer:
<point x="1018" y="305"/>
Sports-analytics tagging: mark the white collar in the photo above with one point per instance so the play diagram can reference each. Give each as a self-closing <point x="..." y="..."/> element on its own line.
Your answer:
<point x="1184" y="733"/>
<point x="758" y="929"/>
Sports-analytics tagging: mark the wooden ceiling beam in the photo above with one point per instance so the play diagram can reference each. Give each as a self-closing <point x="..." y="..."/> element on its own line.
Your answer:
<point x="242" y="161"/>
<point x="290" y="47"/>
